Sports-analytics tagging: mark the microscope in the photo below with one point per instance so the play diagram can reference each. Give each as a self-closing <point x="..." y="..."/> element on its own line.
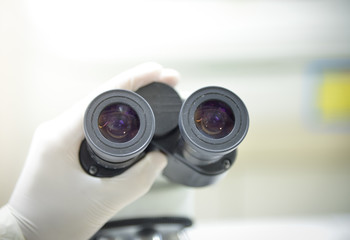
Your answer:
<point x="199" y="137"/>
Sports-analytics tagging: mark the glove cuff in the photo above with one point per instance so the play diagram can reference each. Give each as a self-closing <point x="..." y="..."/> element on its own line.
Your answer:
<point x="9" y="228"/>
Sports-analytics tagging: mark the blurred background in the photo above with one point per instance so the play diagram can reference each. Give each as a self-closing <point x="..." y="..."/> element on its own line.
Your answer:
<point x="289" y="61"/>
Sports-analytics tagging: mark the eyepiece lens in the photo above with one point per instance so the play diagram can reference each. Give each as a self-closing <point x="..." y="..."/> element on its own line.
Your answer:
<point x="214" y="119"/>
<point x="118" y="123"/>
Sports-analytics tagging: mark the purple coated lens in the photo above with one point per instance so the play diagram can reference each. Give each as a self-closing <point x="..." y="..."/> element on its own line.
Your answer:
<point x="118" y="123"/>
<point x="214" y="119"/>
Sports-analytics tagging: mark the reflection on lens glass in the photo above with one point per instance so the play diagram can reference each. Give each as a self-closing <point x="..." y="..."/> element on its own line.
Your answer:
<point x="118" y="123"/>
<point x="214" y="119"/>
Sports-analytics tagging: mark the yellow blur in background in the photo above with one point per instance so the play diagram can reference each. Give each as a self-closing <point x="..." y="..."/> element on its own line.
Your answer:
<point x="295" y="161"/>
<point x="334" y="96"/>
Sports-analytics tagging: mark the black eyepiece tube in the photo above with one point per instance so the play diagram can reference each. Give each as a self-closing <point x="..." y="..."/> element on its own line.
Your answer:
<point x="213" y="121"/>
<point x="118" y="126"/>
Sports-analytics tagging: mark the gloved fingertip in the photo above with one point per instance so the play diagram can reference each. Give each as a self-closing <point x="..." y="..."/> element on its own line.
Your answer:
<point x="170" y="76"/>
<point x="158" y="159"/>
<point x="150" y="166"/>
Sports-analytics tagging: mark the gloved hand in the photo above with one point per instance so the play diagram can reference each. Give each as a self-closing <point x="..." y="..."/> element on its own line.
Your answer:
<point x="54" y="198"/>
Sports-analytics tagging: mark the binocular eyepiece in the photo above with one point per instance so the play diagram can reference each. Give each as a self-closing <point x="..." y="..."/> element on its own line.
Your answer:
<point x="199" y="136"/>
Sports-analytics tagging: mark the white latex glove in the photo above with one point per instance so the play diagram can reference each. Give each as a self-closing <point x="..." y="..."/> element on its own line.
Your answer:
<point x="54" y="198"/>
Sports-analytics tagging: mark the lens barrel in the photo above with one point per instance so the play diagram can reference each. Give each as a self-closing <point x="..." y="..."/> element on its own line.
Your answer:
<point x="118" y="126"/>
<point x="213" y="121"/>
